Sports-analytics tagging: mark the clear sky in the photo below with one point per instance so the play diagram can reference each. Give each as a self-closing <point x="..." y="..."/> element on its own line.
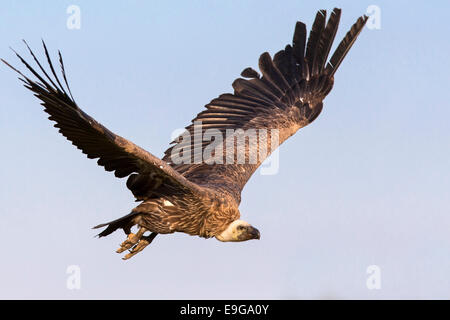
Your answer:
<point x="366" y="184"/>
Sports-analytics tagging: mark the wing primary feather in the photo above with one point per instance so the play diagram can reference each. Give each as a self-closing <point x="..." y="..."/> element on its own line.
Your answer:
<point x="30" y="68"/>
<point x="345" y="45"/>
<point x="14" y="69"/>
<point x="51" y="68"/>
<point x="313" y="41"/>
<point x="63" y="70"/>
<point x="39" y="65"/>
<point x="298" y="42"/>
<point x="327" y="37"/>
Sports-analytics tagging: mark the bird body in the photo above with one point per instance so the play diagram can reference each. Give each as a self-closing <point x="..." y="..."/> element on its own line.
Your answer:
<point x="196" y="187"/>
<point x="204" y="215"/>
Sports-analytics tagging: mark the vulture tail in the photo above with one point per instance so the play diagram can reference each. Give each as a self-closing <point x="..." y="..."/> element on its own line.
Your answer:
<point x="124" y="222"/>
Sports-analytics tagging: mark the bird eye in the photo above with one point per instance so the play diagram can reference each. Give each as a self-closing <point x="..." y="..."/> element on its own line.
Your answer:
<point x="241" y="228"/>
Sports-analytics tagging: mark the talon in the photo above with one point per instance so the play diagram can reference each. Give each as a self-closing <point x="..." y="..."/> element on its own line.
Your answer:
<point x="137" y="248"/>
<point x="145" y="241"/>
<point x="131" y="240"/>
<point x="127" y="244"/>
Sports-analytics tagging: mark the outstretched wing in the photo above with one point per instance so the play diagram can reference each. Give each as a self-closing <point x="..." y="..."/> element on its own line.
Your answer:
<point x="286" y="97"/>
<point x="152" y="176"/>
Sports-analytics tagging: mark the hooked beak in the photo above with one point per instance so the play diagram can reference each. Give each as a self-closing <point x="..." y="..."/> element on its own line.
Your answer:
<point x="254" y="233"/>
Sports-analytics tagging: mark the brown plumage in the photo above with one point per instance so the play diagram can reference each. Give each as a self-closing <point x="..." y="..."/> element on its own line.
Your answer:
<point x="202" y="197"/>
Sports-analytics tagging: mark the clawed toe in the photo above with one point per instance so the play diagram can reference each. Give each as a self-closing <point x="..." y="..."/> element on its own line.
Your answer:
<point x="136" y="243"/>
<point x="137" y="248"/>
<point x="127" y="244"/>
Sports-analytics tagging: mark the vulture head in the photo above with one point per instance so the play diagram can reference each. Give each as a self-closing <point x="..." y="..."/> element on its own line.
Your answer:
<point x="238" y="230"/>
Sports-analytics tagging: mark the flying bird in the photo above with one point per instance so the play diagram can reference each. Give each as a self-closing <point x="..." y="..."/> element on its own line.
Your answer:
<point x="202" y="197"/>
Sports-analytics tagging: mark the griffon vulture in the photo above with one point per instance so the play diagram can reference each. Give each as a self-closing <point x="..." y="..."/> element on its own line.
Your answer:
<point x="202" y="197"/>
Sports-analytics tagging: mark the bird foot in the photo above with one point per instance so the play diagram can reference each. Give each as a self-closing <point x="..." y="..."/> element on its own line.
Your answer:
<point x="137" y="248"/>
<point x="127" y="244"/>
<point x="132" y="240"/>
<point x="135" y="243"/>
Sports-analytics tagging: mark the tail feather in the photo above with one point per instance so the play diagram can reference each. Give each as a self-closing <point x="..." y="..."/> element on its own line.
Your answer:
<point x="123" y="222"/>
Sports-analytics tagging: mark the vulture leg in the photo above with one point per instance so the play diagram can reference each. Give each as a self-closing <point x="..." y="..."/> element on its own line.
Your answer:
<point x="143" y="242"/>
<point x="131" y="240"/>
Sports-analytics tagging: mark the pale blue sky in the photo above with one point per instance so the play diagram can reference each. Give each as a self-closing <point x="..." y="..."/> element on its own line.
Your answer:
<point x="366" y="184"/>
